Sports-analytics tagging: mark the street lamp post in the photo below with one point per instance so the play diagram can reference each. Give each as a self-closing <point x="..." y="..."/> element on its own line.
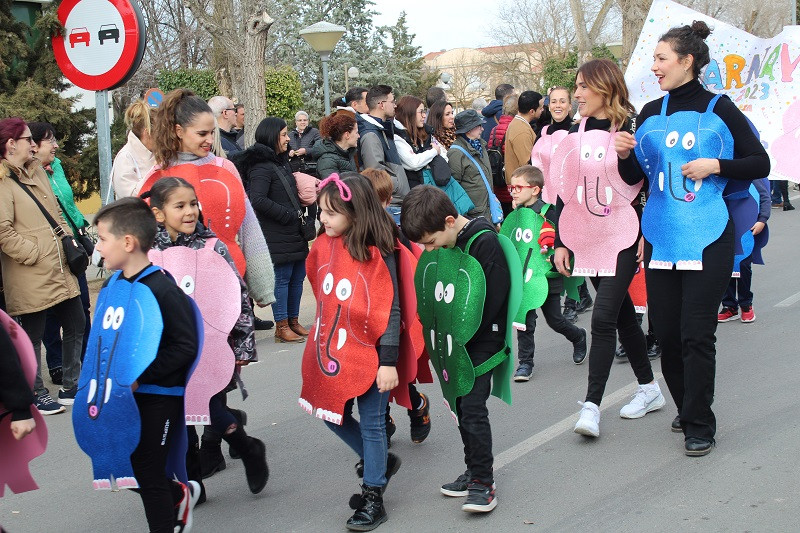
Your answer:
<point x="323" y="37"/>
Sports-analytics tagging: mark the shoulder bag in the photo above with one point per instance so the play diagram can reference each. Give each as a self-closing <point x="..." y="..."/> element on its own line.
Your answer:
<point x="74" y="253"/>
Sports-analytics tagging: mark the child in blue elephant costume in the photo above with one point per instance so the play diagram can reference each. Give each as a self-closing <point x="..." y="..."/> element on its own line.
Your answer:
<point x="690" y="144"/>
<point x="144" y="341"/>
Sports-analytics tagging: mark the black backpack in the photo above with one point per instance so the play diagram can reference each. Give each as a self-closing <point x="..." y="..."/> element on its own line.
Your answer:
<point x="496" y="159"/>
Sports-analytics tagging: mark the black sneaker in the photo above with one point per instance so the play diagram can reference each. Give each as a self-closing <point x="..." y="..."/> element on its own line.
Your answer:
<point x="579" y="349"/>
<point x="67" y="397"/>
<point x="524" y="372"/>
<point x="420" y="421"/>
<point x="676" y="425"/>
<point x="457" y="488"/>
<point x="57" y="376"/>
<point x="571" y="315"/>
<point x="47" y="406"/>
<point x="620" y="355"/>
<point x="654" y="351"/>
<point x="585" y="304"/>
<point x="786" y="207"/>
<point x="263" y="325"/>
<point x="481" y="498"/>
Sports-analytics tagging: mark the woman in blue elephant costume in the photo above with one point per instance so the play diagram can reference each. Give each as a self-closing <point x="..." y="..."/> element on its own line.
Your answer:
<point x="692" y="145"/>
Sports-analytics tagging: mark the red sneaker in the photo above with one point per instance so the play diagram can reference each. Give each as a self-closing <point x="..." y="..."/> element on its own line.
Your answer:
<point x="728" y="314"/>
<point x="748" y="315"/>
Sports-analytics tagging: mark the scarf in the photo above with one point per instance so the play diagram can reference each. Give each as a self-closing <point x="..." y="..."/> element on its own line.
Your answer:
<point x="446" y="137"/>
<point x="476" y="144"/>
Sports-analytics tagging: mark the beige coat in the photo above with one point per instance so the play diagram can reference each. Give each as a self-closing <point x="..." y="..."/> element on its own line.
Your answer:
<point x="35" y="274"/>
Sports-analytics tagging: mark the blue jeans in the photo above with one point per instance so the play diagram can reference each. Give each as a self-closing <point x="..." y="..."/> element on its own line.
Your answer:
<point x="367" y="436"/>
<point x="288" y="289"/>
<point x="395" y="212"/>
<point x="52" y="328"/>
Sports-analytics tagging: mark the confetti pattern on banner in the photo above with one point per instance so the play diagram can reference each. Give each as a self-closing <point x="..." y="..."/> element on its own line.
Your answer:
<point x="761" y="76"/>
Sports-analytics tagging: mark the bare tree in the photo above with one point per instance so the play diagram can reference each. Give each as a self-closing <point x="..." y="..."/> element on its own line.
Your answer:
<point x="764" y="19"/>
<point x="586" y="37"/>
<point x="242" y="43"/>
<point x="543" y="22"/>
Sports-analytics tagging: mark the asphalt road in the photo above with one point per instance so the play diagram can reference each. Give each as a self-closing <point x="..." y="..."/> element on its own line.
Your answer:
<point x="635" y="477"/>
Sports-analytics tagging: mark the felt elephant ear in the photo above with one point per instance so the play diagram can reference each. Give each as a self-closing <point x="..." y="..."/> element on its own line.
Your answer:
<point x="14" y="470"/>
<point x="542" y="158"/>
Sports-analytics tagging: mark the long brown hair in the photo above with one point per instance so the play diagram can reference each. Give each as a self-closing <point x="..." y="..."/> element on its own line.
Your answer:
<point x="436" y="118"/>
<point x="604" y="77"/>
<point x="406" y="113"/>
<point x="180" y="107"/>
<point x="370" y="223"/>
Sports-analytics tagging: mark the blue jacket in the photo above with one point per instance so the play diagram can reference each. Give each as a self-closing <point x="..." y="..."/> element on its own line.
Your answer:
<point x="492" y="112"/>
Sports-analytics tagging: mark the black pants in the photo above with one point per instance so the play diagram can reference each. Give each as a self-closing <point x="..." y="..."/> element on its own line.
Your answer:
<point x="683" y="305"/>
<point x="613" y="311"/>
<point x="476" y="433"/>
<point x="738" y="293"/>
<point x="551" y="309"/>
<point x="161" y="417"/>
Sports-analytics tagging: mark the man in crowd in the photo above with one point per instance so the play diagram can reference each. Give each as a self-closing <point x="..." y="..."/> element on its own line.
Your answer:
<point x="223" y="110"/>
<point x="494" y="110"/>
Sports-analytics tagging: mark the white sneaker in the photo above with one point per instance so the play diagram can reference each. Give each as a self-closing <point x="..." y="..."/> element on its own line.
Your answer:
<point x="647" y="398"/>
<point x="589" y="421"/>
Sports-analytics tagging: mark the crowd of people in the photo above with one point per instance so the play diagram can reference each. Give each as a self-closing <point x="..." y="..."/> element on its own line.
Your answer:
<point x="500" y="189"/>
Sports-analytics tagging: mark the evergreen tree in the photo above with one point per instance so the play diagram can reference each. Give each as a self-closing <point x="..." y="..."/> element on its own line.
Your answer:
<point x="30" y="87"/>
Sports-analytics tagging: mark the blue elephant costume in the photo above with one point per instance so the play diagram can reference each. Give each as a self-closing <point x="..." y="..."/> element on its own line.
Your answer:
<point x="690" y="248"/>
<point x="123" y="342"/>
<point x="665" y="143"/>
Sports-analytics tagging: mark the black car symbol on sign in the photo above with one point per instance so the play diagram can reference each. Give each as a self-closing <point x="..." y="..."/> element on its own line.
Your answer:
<point x="108" y="31"/>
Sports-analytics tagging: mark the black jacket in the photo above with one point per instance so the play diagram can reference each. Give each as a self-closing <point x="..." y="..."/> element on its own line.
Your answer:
<point x="279" y="219"/>
<point x="331" y="158"/>
<point x="490" y="337"/>
<point x="228" y="141"/>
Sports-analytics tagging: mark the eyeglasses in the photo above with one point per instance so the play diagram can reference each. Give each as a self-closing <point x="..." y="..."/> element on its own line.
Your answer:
<point x="388" y="102"/>
<point x="230" y="109"/>
<point x="422" y="112"/>
<point x="28" y="138"/>
<point x="518" y="188"/>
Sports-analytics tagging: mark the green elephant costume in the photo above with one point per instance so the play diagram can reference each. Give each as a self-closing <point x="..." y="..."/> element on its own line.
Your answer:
<point x="451" y="291"/>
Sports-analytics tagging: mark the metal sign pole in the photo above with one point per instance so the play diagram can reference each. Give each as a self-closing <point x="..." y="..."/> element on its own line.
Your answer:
<point x="103" y="143"/>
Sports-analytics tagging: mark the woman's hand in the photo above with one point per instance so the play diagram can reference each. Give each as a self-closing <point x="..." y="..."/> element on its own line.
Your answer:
<point x="22" y="428"/>
<point x="387" y="378"/>
<point x="135" y="386"/>
<point x="640" y="250"/>
<point x="301" y="152"/>
<point x="561" y="261"/>
<point x="624" y="142"/>
<point x="700" y="168"/>
<point x="757" y="228"/>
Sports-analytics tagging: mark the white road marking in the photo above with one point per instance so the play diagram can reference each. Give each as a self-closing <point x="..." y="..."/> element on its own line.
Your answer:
<point x="791" y="300"/>
<point x="531" y="443"/>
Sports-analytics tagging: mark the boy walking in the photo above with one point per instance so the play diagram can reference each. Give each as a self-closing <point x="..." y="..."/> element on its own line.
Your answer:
<point x="534" y="223"/>
<point x="126" y="230"/>
<point x="463" y="284"/>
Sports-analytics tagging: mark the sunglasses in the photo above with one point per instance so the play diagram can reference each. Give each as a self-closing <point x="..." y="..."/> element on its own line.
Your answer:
<point x="518" y="188"/>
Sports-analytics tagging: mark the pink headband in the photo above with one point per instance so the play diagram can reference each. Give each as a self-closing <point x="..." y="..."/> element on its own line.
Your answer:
<point x="344" y="190"/>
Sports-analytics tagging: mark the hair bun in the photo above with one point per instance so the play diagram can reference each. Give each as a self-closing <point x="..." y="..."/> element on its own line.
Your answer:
<point x="700" y="29"/>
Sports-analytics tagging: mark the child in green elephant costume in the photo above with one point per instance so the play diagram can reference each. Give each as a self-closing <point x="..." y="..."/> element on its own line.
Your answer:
<point x="531" y="228"/>
<point x="469" y="285"/>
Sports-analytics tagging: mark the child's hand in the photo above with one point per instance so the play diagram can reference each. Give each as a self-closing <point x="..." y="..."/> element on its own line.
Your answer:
<point x="134" y="386"/>
<point x="561" y="261"/>
<point x="640" y="250"/>
<point x="757" y="228"/>
<point x="22" y="428"/>
<point x="242" y="363"/>
<point x="387" y="378"/>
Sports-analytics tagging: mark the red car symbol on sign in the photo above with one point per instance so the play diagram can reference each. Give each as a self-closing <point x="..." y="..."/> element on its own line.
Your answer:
<point x="108" y="31"/>
<point x="78" y="35"/>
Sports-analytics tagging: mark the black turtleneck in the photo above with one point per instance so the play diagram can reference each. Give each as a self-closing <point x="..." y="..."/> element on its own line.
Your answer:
<point x="750" y="159"/>
<point x="565" y="125"/>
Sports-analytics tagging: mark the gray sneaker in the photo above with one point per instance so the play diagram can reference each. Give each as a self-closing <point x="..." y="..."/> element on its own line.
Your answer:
<point x="457" y="488"/>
